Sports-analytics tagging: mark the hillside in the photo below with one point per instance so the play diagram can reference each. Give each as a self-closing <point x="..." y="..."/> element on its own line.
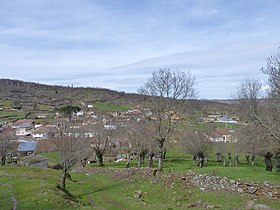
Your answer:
<point x="30" y="94"/>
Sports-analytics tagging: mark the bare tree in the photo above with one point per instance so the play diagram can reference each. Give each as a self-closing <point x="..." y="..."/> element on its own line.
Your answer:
<point x="222" y="152"/>
<point x="141" y="140"/>
<point x="5" y="146"/>
<point x="272" y="69"/>
<point x="70" y="151"/>
<point x="169" y="90"/>
<point x="100" y="140"/>
<point x="197" y="143"/>
<point x="249" y="94"/>
<point x="266" y="112"/>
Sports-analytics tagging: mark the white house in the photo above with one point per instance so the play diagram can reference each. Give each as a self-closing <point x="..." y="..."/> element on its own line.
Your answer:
<point x="226" y="119"/>
<point x="24" y="129"/>
<point x="80" y="113"/>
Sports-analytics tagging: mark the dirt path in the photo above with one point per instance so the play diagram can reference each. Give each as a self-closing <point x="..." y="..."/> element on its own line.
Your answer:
<point x="13" y="198"/>
<point x="90" y="201"/>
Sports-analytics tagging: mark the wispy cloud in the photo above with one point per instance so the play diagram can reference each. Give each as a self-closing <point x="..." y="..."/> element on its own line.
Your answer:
<point x="117" y="44"/>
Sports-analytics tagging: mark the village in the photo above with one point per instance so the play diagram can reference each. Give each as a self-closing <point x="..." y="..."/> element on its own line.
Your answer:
<point x="31" y="136"/>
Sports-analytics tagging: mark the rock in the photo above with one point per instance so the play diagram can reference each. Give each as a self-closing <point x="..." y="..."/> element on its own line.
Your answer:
<point x="252" y="190"/>
<point x="250" y="204"/>
<point x="137" y="194"/>
<point x="240" y="190"/>
<point x="261" y="207"/>
<point x="269" y="194"/>
<point x="231" y="181"/>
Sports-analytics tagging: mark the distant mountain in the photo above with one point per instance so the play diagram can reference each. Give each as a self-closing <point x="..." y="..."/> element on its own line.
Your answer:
<point x="223" y="101"/>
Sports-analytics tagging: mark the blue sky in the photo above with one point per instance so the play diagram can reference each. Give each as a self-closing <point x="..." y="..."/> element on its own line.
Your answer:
<point x="117" y="44"/>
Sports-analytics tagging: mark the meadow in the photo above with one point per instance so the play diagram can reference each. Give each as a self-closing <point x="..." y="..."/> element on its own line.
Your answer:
<point x="37" y="187"/>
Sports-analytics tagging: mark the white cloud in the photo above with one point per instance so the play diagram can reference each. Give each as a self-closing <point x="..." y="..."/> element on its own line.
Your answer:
<point x="117" y="44"/>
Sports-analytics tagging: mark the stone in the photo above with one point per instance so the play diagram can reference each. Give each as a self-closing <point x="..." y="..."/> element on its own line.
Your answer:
<point x="261" y="207"/>
<point x="240" y="190"/>
<point x="250" y="204"/>
<point x="269" y="194"/>
<point x="252" y="190"/>
<point x="231" y="181"/>
<point x="137" y="194"/>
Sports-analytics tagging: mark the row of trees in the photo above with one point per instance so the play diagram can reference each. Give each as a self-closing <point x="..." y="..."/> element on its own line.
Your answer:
<point x="260" y="105"/>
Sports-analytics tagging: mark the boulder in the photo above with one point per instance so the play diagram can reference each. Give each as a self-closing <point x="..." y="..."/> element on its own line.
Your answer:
<point x="137" y="194"/>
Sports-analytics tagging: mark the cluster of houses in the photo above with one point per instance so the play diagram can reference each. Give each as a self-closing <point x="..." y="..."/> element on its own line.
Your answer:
<point x="220" y="118"/>
<point x="31" y="135"/>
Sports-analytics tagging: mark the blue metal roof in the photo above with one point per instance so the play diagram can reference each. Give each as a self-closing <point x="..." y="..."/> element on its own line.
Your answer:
<point x="27" y="146"/>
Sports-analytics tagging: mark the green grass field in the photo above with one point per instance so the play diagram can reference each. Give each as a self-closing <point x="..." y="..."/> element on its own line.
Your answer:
<point x="5" y="103"/>
<point x="36" y="188"/>
<point x="9" y="116"/>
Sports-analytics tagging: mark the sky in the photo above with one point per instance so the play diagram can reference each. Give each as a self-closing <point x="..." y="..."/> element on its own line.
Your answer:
<point x="117" y="44"/>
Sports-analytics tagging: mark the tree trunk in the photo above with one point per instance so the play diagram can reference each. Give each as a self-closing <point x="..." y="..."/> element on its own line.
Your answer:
<point x="139" y="161"/>
<point x="194" y="159"/>
<point x="99" y="156"/>
<point x="160" y="154"/>
<point x="268" y="162"/>
<point x="218" y="157"/>
<point x="150" y="160"/>
<point x="236" y="159"/>
<point x="63" y="178"/>
<point x="200" y="159"/>
<point x="3" y="161"/>
<point x="253" y="159"/>
<point x="277" y="162"/>
<point x="247" y="159"/>
<point x="142" y="157"/>
<point x="224" y="162"/>
<point x="128" y="161"/>
<point x="229" y="158"/>
<point x="164" y="154"/>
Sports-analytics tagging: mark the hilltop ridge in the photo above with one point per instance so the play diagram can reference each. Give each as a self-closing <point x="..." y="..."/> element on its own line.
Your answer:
<point x="30" y="93"/>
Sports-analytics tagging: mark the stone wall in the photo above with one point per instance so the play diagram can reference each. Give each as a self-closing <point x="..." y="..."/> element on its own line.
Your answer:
<point x="215" y="183"/>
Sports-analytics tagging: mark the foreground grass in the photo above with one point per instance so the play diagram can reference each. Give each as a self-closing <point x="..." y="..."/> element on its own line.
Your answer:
<point x="35" y="188"/>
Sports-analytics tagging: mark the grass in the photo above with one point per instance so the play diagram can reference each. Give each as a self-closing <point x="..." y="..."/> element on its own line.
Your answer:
<point x="104" y="106"/>
<point x="53" y="157"/>
<point x="5" y="103"/>
<point x="9" y="116"/>
<point x="45" y="108"/>
<point x="35" y="188"/>
<point x="178" y="162"/>
<point x="44" y="120"/>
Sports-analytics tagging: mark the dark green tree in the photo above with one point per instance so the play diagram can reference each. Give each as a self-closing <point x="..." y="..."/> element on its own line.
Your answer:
<point x="68" y="111"/>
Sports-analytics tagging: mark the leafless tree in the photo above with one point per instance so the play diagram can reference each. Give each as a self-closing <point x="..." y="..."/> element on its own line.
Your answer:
<point x="249" y="96"/>
<point x="222" y="152"/>
<point x="71" y="150"/>
<point x="141" y="140"/>
<point x="100" y="140"/>
<point x="266" y="112"/>
<point x="5" y="146"/>
<point x="197" y="143"/>
<point x="168" y="90"/>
